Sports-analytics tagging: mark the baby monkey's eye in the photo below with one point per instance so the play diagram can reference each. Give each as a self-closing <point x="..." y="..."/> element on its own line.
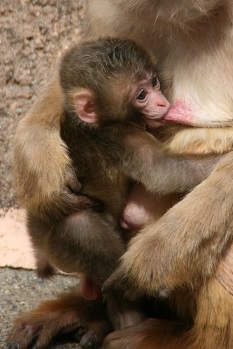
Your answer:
<point x="142" y="95"/>
<point x="155" y="81"/>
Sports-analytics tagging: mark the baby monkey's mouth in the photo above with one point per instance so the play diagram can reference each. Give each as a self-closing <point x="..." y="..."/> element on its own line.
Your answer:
<point x="154" y="123"/>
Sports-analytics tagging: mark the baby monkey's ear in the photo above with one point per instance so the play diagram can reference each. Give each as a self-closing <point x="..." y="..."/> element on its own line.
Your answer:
<point x="85" y="106"/>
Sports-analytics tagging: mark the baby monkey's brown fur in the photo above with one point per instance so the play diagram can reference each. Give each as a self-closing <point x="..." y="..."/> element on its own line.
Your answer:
<point x="107" y="142"/>
<point x="104" y="131"/>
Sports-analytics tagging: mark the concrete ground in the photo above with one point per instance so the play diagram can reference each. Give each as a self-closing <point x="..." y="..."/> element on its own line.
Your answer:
<point x="21" y="290"/>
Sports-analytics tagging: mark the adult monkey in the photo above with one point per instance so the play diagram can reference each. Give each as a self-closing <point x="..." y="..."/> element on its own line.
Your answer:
<point x="105" y="132"/>
<point x="193" y="43"/>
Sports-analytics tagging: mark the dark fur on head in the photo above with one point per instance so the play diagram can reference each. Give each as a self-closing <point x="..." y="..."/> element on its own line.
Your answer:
<point x="107" y="67"/>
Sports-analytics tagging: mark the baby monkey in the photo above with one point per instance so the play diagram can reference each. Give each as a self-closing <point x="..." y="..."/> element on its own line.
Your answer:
<point x="111" y="96"/>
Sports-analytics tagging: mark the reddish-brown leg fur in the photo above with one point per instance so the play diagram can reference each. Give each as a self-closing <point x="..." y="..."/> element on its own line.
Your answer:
<point x="67" y="314"/>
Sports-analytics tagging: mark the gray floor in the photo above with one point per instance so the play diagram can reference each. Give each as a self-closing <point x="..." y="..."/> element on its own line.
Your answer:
<point x="21" y="290"/>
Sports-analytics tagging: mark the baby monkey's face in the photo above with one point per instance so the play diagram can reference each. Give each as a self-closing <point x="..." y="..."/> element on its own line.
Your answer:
<point x="148" y="99"/>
